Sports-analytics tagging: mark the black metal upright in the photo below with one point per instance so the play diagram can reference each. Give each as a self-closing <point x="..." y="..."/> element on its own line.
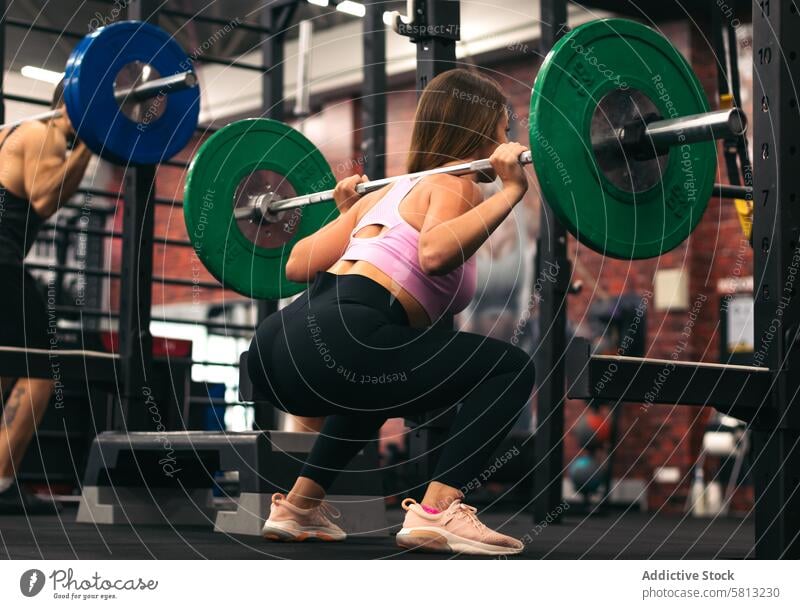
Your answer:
<point x="275" y="18"/>
<point x="776" y="246"/>
<point x="436" y="27"/>
<point x="551" y="253"/>
<point x="135" y="340"/>
<point x="373" y="106"/>
<point x="93" y="256"/>
<point x="2" y="59"/>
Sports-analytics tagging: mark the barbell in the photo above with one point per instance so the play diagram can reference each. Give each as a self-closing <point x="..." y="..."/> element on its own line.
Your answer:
<point x="644" y="140"/>
<point x="131" y="94"/>
<point x="621" y="139"/>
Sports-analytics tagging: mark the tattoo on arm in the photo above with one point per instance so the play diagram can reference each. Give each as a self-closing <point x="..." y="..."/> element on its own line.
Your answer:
<point x="12" y="406"/>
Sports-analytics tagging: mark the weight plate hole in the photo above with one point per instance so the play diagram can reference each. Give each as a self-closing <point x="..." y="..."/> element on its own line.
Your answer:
<point x="617" y="109"/>
<point x="142" y="111"/>
<point x="273" y="231"/>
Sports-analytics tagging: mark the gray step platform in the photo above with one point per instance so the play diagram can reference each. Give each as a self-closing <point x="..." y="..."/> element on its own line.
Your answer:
<point x="167" y="478"/>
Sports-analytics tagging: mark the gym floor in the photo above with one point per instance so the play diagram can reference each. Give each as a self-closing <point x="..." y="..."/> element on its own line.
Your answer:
<point x="630" y="535"/>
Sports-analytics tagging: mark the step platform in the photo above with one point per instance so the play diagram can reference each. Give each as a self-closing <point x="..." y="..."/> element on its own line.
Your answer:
<point x="168" y="478"/>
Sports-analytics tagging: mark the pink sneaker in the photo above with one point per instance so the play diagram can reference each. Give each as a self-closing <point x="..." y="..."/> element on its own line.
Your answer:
<point x="456" y="530"/>
<point x="288" y="522"/>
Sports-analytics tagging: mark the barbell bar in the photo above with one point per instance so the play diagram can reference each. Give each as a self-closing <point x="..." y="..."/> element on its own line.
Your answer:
<point x="698" y="128"/>
<point x="265" y="205"/>
<point x="143" y="91"/>
<point x="656" y="135"/>
<point x="158" y="86"/>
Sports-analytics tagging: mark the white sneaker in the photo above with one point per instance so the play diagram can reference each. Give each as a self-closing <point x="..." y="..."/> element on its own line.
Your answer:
<point x="288" y="522"/>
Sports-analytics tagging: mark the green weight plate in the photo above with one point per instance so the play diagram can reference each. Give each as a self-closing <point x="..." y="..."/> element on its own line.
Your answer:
<point x="247" y="158"/>
<point x="638" y="210"/>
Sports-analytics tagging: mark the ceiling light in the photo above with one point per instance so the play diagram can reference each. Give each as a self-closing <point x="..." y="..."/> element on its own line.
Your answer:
<point x="42" y="74"/>
<point x="352" y="8"/>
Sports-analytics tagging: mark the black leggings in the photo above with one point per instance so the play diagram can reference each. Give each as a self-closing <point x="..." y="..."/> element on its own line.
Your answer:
<point x="344" y="350"/>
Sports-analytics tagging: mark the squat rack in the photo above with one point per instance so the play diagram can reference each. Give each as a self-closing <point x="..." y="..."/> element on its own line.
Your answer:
<point x="764" y="395"/>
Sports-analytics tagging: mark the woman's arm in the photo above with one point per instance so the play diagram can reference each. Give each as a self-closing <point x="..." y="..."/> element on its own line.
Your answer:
<point x="320" y="251"/>
<point x="50" y="176"/>
<point x="450" y="235"/>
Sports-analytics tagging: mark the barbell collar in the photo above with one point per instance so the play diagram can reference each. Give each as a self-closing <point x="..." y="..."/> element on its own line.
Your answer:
<point x="262" y="206"/>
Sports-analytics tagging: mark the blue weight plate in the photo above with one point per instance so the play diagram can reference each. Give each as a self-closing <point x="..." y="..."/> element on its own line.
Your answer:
<point x="70" y="75"/>
<point x="92" y="132"/>
<point x="89" y="94"/>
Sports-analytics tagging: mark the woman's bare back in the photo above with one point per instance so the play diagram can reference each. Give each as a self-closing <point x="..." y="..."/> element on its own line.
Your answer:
<point x="412" y="209"/>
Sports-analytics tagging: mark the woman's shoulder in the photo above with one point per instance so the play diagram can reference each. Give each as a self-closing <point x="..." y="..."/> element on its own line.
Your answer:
<point x="30" y="129"/>
<point x="463" y="186"/>
<point x="33" y="135"/>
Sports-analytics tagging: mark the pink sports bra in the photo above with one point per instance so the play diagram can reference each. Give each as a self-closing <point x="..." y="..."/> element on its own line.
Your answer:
<point x="395" y="253"/>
